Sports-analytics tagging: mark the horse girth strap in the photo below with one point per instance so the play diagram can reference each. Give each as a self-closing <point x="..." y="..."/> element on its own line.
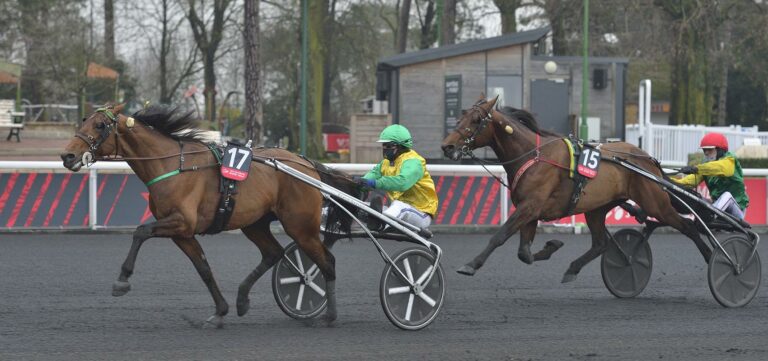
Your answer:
<point x="579" y="181"/>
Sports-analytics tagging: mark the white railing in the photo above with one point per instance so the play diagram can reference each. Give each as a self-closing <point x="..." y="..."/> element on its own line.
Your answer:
<point x="434" y="169"/>
<point x="671" y="144"/>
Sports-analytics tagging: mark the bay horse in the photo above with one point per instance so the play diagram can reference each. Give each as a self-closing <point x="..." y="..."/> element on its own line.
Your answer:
<point x="165" y="151"/>
<point x="537" y="166"/>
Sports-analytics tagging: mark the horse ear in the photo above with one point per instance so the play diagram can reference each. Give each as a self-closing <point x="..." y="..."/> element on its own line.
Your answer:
<point x="118" y="108"/>
<point x="493" y="102"/>
<point x="481" y="98"/>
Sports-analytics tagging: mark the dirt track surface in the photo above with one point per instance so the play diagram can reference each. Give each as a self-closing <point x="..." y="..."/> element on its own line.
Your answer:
<point x="56" y="305"/>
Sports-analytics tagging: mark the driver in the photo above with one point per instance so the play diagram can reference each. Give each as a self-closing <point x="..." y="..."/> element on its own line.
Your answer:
<point x="403" y="175"/>
<point x="722" y="173"/>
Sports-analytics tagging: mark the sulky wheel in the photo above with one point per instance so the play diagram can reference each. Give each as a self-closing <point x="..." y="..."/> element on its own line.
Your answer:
<point x="627" y="263"/>
<point x="298" y="285"/>
<point x="412" y="307"/>
<point x="734" y="286"/>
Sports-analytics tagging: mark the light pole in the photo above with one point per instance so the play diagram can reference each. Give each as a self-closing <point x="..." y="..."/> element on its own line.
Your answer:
<point x="584" y="128"/>
<point x="303" y="126"/>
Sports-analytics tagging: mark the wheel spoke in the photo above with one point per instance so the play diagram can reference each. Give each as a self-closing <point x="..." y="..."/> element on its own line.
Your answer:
<point x="719" y="281"/>
<point x="398" y="290"/>
<point x="290" y="280"/>
<point x="424" y="275"/>
<point x="613" y="263"/>
<point x="313" y="271"/>
<point x="427" y="299"/>
<point x="409" y="308"/>
<point x="408" y="272"/>
<point x="643" y="262"/>
<point x="748" y="284"/>
<point x="300" y="297"/>
<point x="298" y="261"/>
<point x="316" y="288"/>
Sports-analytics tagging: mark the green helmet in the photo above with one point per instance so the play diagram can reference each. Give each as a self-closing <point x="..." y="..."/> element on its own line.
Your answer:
<point x="397" y="134"/>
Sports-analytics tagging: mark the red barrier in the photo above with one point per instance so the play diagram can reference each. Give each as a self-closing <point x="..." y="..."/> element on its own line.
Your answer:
<point x="61" y="201"/>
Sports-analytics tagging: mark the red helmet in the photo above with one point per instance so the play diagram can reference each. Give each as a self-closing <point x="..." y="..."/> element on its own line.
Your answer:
<point x="714" y="140"/>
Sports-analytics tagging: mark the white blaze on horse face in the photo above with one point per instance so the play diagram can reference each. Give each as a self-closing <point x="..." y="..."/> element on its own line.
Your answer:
<point x="130" y="122"/>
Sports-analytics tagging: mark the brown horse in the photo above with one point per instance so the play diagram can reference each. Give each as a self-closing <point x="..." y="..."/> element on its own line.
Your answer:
<point x="536" y="162"/>
<point x="164" y="150"/>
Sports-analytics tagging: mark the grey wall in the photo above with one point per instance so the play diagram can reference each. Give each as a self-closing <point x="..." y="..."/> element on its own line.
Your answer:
<point x="420" y="103"/>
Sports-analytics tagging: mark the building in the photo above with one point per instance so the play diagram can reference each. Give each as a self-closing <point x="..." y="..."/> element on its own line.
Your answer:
<point x="427" y="89"/>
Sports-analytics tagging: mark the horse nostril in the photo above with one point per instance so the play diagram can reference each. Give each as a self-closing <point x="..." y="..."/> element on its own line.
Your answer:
<point x="67" y="157"/>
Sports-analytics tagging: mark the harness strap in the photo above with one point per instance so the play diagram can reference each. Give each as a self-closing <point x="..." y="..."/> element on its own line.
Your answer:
<point x="181" y="165"/>
<point x="528" y="164"/>
<point x="162" y="177"/>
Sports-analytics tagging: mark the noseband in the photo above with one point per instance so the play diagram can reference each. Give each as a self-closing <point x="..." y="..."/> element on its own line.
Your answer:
<point x="469" y="139"/>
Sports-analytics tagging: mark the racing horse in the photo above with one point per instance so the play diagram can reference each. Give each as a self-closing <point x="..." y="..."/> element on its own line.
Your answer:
<point x="537" y="166"/>
<point x="181" y="171"/>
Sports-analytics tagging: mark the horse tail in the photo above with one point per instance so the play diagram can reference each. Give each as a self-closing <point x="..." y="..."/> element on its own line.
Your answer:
<point x="337" y="220"/>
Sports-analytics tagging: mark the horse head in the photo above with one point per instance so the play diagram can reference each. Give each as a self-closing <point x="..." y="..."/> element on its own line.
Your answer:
<point x="472" y="130"/>
<point x="94" y="138"/>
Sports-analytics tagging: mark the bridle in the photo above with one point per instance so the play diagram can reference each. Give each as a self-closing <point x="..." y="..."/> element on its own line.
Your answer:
<point x="470" y="139"/>
<point x="104" y="133"/>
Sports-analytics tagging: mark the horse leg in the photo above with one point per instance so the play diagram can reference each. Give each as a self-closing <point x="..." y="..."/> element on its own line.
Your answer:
<point x="596" y="223"/>
<point x="191" y="247"/>
<point x="527" y="233"/>
<point x="306" y="235"/>
<point x="141" y="234"/>
<point x="686" y="227"/>
<point x="515" y="221"/>
<point x="271" y="251"/>
<point x="326" y="262"/>
<point x="657" y="204"/>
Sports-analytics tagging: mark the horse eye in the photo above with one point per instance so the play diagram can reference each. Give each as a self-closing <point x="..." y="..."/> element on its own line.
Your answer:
<point x="100" y="125"/>
<point x="84" y="120"/>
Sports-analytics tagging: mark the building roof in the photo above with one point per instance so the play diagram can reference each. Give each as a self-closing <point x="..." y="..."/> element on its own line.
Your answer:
<point x="469" y="47"/>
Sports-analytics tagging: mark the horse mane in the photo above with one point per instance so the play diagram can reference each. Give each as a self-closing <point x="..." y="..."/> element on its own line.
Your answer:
<point x="172" y="122"/>
<point x="525" y="118"/>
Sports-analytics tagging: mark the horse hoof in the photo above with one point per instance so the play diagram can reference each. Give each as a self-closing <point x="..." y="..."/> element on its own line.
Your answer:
<point x="243" y="307"/>
<point x="568" y="277"/>
<point x="526" y="257"/>
<point x="120" y="288"/>
<point x="466" y="270"/>
<point x="554" y="245"/>
<point x="214" y="321"/>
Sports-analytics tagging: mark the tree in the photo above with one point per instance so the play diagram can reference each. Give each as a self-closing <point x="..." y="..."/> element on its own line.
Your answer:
<point x="208" y="41"/>
<point x="109" y="30"/>
<point x="448" y="23"/>
<point x="691" y="81"/>
<point x="402" y="26"/>
<point x="318" y="61"/>
<point x="253" y="111"/>
<point x="507" y="9"/>
<point x="428" y="30"/>
<point x="159" y="24"/>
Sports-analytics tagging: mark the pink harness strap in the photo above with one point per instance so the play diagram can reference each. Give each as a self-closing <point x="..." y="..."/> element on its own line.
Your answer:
<point x="531" y="162"/>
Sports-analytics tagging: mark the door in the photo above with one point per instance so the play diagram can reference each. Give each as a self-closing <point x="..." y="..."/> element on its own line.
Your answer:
<point x="549" y="104"/>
